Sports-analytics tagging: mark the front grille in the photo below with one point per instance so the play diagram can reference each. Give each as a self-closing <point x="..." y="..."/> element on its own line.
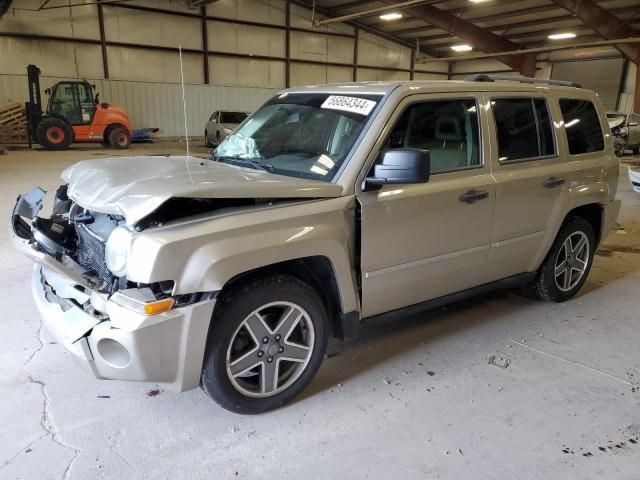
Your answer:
<point x="91" y="253"/>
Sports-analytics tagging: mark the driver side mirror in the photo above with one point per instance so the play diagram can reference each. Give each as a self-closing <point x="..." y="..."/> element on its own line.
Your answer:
<point x="402" y="166"/>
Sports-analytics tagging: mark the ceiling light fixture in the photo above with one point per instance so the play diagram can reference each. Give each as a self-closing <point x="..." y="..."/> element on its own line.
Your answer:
<point x="561" y="36"/>
<point x="478" y="1"/>
<point x="462" y="48"/>
<point x="391" y="16"/>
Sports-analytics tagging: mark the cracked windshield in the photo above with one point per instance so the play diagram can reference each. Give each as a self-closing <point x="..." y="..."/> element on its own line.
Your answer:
<point x="299" y="135"/>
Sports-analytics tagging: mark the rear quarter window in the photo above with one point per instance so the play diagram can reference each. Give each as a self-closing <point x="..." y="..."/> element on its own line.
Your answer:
<point x="582" y="125"/>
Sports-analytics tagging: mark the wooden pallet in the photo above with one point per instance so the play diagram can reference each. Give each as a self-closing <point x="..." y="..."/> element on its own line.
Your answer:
<point x="12" y="114"/>
<point x="13" y="134"/>
<point x="13" y="124"/>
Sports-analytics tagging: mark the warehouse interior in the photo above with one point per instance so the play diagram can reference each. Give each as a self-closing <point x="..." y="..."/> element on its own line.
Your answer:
<point x="496" y="386"/>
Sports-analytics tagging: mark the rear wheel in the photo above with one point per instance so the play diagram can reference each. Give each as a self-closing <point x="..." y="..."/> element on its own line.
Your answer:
<point x="567" y="265"/>
<point x="54" y="134"/>
<point x="119" y="138"/>
<point x="266" y="342"/>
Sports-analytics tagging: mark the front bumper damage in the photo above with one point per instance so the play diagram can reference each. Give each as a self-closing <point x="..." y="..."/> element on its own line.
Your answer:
<point x="106" y="338"/>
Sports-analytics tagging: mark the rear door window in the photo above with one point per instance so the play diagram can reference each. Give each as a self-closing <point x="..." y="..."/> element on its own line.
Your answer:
<point x="524" y="129"/>
<point x="582" y="125"/>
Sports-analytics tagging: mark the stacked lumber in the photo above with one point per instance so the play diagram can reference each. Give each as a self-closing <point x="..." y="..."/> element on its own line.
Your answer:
<point x="13" y="124"/>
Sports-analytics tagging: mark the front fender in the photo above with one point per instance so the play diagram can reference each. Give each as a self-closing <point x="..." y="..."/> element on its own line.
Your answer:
<point x="203" y="255"/>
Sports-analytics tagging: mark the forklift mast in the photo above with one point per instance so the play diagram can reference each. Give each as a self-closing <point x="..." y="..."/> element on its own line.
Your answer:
<point x="34" y="105"/>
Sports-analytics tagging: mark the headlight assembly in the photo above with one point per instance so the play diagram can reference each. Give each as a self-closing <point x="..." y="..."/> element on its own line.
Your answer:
<point x="228" y="131"/>
<point x="117" y="250"/>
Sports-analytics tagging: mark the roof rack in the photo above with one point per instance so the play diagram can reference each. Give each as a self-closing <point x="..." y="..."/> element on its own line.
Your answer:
<point x="483" y="77"/>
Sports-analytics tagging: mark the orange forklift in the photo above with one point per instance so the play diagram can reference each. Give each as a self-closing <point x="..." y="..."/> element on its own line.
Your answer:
<point x="73" y="114"/>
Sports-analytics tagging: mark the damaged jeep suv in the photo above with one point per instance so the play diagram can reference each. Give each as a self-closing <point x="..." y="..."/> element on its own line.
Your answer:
<point x="328" y="208"/>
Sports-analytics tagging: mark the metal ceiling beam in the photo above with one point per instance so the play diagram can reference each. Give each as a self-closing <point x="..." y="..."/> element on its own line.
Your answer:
<point x="374" y="11"/>
<point x="542" y="49"/>
<point x="604" y="23"/>
<point x="480" y="38"/>
<point x="366" y="28"/>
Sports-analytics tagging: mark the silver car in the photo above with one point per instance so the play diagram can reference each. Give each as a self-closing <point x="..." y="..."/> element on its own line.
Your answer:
<point x="334" y="207"/>
<point x="625" y="128"/>
<point x="221" y="124"/>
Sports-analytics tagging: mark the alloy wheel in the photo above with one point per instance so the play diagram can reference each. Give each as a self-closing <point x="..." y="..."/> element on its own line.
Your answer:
<point x="270" y="349"/>
<point x="572" y="261"/>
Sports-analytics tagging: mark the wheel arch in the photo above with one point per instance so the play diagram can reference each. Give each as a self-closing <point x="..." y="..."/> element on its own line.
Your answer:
<point x="591" y="212"/>
<point x="111" y="126"/>
<point x="317" y="271"/>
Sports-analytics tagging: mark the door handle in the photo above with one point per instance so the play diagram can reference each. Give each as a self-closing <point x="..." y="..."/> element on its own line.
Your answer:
<point x="473" y="196"/>
<point x="553" y="182"/>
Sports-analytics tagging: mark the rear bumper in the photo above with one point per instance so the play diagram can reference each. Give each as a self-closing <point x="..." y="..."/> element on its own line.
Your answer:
<point x="167" y="348"/>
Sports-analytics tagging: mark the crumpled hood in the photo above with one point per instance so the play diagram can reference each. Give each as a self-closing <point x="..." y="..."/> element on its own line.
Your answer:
<point x="615" y="122"/>
<point x="135" y="186"/>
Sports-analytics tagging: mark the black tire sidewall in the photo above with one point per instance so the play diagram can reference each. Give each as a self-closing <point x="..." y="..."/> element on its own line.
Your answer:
<point x="230" y="312"/>
<point x="113" y="138"/>
<point x="547" y="272"/>
<point x="46" y="124"/>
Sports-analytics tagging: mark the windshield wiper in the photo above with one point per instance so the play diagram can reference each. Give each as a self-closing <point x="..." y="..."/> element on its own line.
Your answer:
<point x="254" y="163"/>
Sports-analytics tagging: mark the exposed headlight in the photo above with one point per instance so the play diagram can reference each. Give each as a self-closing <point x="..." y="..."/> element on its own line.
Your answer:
<point x="117" y="250"/>
<point x="228" y="131"/>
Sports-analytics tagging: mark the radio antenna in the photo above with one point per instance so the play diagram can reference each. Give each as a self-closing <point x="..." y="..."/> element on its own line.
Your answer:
<point x="184" y="103"/>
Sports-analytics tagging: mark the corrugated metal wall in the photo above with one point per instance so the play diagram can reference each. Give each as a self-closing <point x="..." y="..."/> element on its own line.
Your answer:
<point x="155" y="104"/>
<point x="146" y="82"/>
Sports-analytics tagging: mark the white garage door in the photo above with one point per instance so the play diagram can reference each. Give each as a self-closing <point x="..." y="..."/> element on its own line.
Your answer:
<point x="602" y="76"/>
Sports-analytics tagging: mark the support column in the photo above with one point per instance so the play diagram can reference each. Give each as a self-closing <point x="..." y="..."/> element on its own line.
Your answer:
<point x="205" y="44"/>
<point x="412" y="66"/>
<point x="287" y="44"/>
<point x="356" y="35"/>
<point x="636" y="92"/>
<point x="103" y="43"/>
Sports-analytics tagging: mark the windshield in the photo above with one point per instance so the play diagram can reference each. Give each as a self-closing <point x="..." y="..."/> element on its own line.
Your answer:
<point x="233" y="117"/>
<point x="300" y="135"/>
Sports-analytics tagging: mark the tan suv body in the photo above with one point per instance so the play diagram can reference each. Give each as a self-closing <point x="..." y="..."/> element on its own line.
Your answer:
<point x="520" y="188"/>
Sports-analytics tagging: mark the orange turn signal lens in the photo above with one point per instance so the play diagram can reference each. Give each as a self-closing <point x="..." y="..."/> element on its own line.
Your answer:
<point x="159" y="306"/>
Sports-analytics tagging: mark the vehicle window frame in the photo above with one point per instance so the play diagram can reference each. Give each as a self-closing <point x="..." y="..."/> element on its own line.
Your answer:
<point x="526" y="96"/>
<point x="603" y="131"/>
<point x="409" y="105"/>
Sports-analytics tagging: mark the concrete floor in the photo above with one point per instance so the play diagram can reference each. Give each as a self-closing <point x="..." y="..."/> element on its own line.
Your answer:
<point x="416" y="400"/>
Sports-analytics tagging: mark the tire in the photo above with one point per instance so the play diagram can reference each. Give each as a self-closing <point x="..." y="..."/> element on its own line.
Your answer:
<point x="619" y="151"/>
<point x="636" y="151"/>
<point x="217" y="138"/>
<point x="207" y="142"/>
<point x="54" y="134"/>
<point x="228" y="376"/>
<point x="553" y="286"/>
<point x="119" y="138"/>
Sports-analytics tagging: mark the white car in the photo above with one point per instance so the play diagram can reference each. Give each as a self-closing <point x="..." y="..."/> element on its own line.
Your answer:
<point x="221" y="124"/>
<point x="634" y="177"/>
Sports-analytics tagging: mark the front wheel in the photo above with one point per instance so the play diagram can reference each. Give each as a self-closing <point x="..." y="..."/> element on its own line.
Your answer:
<point x="568" y="263"/>
<point x="54" y="134"/>
<point x="266" y="342"/>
